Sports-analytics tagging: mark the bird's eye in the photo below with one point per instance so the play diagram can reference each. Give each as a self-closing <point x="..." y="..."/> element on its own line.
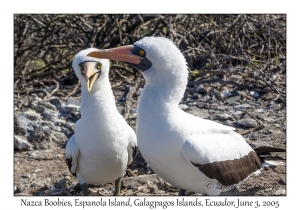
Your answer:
<point x="142" y="52"/>
<point x="99" y="66"/>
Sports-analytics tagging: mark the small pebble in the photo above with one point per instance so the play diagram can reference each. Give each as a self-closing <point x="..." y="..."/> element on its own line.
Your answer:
<point x="248" y="123"/>
<point x="26" y="176"/>
<point x="280" y="192"/>
<point x="225" y="94"/>
<point x="243" y="106"/>
<point x="254" y="94"/>
<point x="282" y="181"/>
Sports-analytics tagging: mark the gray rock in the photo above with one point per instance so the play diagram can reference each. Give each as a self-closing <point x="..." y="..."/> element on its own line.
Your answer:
<point x="248" y="123"/>
<point x="40" y="137"/>
<point x="274" y="106"/>
<point x="195" y="96"/>
<point x="206" y="99"/>
<point x="25" y="176"/>
<point x="203" y="113"/>
<point x="121" y="99"/>
<point x="201" y="90"/>
<point x="71" y="108"/>
<point x="232" y="100"/>
<point x="132" y="117"/>
<point x="105" y="191"/>
<point x="142" y="180"/>
<point x="268" y="119"/>
<point x="57" y="103"/>
<point x="192" y="104"/>
<point x="22" y="194"/>
<point x="243" y="106"/>
<point x="260" y="110"/>
<point x="282" y="181"/>
<point x="33" y="153"/>
<point x="49" y="115"/>
<point x="268" y="96"/>
<point x="23" y="181"/>
<point x="258" y="115"/>
<point x="76" y="115"/>
<point x="261" y="116"/>
<point x="274" y="131"/>
<point x="32" y="115"/>
<point x="70" y="126"/>
<point x="154" y="190"/>
<point x="254" y="94"/>
<point x="59" y="137"/>
<point x="280" y="192"/>
<point x="259" y="143"/>
<point x="38" y="107"/>
<point x="67" y="132"/>
<point x="17" y="189"/>
<point x="201" y="105"/>
<point x="47" y="105"/>
<point x="199" y="87"/>
<point x="225" y="94"/>
<point x="133" y="110"/>
<point x="38" y="170"/>
<point x="22" y="144"/>
<point x="61" y="184"/>
<point x="74" y="102"/>
<point x="223" y="107"/>
<point x="214" y="99"/>
<point x="59" y="122"/>
<point x="184" y="107"/>
<point x="47" y="183"/>
<point x="252" y="136"/>
<point x="23" y="126"/>
<point x="255" y="103"/>
<point x="223" y="116"/>
<point x="235" y="112"/>
<point x="93" y="192"/>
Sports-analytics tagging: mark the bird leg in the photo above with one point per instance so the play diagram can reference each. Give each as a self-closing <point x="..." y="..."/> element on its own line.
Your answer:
<point x="85" y="189"/>
<point x="118" y="187"/>
<point x="181" y="192"/>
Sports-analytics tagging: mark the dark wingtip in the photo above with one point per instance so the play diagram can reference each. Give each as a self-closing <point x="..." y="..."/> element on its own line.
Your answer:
<point x="267" y="150"/>
<point x="69" y="164"/>
<point x="135" y="150"/>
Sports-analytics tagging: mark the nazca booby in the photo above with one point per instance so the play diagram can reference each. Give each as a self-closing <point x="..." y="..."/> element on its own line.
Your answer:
<point x="103" y="144"/>
<point x="189" y="152"/>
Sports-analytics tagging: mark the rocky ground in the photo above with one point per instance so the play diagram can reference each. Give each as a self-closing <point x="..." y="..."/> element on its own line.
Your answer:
<point x="42" y="127"/>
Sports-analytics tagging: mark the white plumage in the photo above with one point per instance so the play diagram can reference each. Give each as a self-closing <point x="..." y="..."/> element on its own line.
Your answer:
<point x="188" y="152"/>
<point x="103" y="144"/>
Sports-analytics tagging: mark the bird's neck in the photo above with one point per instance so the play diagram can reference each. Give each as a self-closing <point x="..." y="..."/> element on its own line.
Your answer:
<point x="160" y="91"/>
<point x="100" y="99"/>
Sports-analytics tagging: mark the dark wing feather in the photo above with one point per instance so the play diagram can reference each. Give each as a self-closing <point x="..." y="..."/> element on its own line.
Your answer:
<point x="231" y="172"/>
<point x="69" y="164"/>
<point x="135" y="150"/>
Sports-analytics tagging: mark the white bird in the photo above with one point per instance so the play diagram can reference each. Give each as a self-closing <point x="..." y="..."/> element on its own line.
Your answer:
<point x="103" y="144"/>
<point x="189" y="152"/>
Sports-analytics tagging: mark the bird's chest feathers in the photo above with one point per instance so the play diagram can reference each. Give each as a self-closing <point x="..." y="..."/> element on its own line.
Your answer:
<point x="158" y="129"/>
<point x="99" y="127"/>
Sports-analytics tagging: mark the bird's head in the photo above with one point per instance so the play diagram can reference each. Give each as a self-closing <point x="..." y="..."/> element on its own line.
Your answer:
<point x="90" y="71"/>
<point x="157" y="57"/>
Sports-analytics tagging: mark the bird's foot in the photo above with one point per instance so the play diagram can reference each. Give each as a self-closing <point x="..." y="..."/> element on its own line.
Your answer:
<point x="117" y="187"/>
<point x="85" y="189"/>
<point x="181" y="192"/>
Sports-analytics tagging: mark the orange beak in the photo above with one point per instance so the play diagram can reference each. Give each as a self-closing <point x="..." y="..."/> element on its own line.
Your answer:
<point x="123" y="53"/>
